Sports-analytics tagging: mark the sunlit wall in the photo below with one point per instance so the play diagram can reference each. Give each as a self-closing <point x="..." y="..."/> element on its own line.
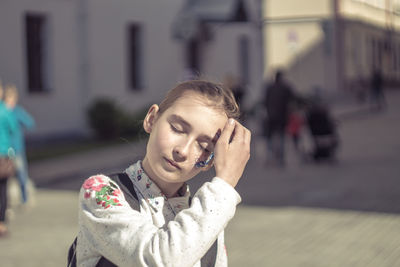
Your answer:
<point x="332" y="44"/>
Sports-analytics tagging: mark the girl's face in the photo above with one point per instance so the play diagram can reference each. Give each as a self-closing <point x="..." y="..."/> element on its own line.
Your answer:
<point x="179" y="137"/>
<point x="11" y="100"/>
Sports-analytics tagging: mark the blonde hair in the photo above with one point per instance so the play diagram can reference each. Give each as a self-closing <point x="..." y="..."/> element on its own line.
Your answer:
<point x="10" y="90"/>
<point x="221" y="97"/>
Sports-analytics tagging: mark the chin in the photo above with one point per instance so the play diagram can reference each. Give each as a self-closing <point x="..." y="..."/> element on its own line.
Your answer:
<point x="167" y="175"/>
<point x="174" y="178"/>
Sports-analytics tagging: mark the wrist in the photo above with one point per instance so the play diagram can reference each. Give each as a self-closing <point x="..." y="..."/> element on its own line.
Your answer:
<point x="227" y="188"/>
<point x="227" y="179"/>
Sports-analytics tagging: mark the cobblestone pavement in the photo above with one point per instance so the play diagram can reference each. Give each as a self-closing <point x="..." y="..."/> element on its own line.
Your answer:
<point x="292" y="236"/>
<point x="342" y="214"/>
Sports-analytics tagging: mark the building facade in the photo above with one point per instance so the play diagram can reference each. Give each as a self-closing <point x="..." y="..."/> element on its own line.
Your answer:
<point x="333" y="45"/>
<point x="64" y="54"/>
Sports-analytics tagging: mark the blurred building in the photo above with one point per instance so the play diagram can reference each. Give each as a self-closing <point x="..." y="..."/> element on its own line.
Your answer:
<point x="63" y="54"/>
<point x="332" y="44"/>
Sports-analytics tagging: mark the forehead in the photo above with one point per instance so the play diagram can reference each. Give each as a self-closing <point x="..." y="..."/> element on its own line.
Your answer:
<point x="198" y="110"/>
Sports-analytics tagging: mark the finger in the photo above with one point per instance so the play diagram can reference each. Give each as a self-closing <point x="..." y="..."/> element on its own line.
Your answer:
<point x="247" y="135"/>
<point x="228" y="130"/>
<point x="247" y="141"/>
<point x="240" y="133"/>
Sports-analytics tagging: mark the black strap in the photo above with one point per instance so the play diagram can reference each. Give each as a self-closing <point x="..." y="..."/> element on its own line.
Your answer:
<point x="103" y="262"/>
<point x="72" y="254"/>
<point x="210" y="258"/>
<point x="126" y="186"/>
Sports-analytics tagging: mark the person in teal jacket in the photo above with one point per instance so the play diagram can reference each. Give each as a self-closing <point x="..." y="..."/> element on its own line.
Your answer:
<point x="24" y="121"/>
<point x="8" y="127"/>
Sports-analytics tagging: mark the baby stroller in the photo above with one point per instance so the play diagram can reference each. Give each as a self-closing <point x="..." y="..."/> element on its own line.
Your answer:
<point x="323" y="131"/>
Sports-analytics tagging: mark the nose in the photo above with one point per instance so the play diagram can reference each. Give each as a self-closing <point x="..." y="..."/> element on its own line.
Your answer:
<point x="181" y="151"/>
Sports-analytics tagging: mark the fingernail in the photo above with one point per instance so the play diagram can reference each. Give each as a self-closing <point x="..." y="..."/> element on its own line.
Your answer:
<point x="231" y="121"/>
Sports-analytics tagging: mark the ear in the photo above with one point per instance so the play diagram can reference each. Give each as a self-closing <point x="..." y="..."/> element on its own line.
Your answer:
<point x="150" y="118"/>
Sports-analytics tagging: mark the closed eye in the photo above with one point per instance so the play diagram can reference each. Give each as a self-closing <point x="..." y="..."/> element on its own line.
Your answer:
<point x="175" y="129"/>
<point x="204" y="148"/>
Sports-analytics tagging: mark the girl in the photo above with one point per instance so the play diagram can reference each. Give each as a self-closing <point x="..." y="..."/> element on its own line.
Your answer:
<point x="8" y="127"/>
<point x="193" y="129"/>
<point x="24" y="122"/>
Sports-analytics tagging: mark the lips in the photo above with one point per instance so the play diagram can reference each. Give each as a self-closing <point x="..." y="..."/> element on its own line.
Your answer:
<point x="172" y="163"/>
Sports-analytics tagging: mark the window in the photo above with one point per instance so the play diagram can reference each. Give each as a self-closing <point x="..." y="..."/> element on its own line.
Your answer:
<point x="240" y="15"/>
<point x="374" y="53"/>
<point x="193" y="56"/>
<point x="398" y="57"/>
<point x="244" y="59"/>
<point x="35" y="29"/>
<point x="394" y="57"/>
<point x="356" y="50"/>
<point x="135" y="67"/>
<point x="379" y="47"/>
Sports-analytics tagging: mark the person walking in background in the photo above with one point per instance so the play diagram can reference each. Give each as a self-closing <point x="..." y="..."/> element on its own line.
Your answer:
<point x="8" y="127"/>
<point x="377" y="96"/>
<point x="24" y="121"/>
<point x="278" y="98"/>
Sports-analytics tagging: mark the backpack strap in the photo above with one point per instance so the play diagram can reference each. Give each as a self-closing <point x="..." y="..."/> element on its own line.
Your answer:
<point x="126" y="186"/>
<point x="210" y="258"/>
<point x="72" y="254"/>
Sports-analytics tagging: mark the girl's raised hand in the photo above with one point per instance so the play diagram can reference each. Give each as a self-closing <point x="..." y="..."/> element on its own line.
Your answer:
<point x="232" y="151"/>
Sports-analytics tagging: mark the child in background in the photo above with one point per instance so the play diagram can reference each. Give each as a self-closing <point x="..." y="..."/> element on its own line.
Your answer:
<point x="193" y="129"/>
<point x="8" y="128"/>
<point x="24" y="122"/>
<point x="294" y="127"/>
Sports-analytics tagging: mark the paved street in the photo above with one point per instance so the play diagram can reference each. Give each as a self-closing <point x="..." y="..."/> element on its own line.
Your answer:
<point x="342" y="214"/>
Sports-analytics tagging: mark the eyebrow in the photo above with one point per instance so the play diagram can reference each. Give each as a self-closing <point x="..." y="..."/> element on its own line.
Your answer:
<point x="187" y="124"/>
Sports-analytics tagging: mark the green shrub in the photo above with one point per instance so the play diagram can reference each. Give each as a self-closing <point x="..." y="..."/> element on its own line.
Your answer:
<point x="109" y="121"/>
<point x="103" y="118"/>
<point x="131" y="125"/>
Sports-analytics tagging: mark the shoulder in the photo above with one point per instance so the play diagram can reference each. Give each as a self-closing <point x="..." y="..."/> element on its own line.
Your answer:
<point x="96" y="181"/>
<point x="101" y="189"/>
<point x="20" y="112"/>
<point x="4" y="111"/>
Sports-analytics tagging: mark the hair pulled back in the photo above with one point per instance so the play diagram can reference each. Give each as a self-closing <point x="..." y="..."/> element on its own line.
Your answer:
<point x="219" y="96"/>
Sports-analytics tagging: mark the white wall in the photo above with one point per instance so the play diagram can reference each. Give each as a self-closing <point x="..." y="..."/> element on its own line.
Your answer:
<point x="162" y="56"/>
<point x="88" y="56"/>
<point x="299" y="49"/>
<point x="63" y="108"/>
<point x="59" y="110"/>
<point x="221" y="55"/>
<point x="295" y="42"/>
<point x="288" y="8"/>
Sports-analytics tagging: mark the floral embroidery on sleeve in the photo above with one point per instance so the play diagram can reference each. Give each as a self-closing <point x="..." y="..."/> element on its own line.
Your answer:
<point x="105" y="193"/>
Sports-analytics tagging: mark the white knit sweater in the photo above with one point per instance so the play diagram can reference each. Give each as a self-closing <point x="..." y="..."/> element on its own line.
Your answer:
<point x="166" y="232"/>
